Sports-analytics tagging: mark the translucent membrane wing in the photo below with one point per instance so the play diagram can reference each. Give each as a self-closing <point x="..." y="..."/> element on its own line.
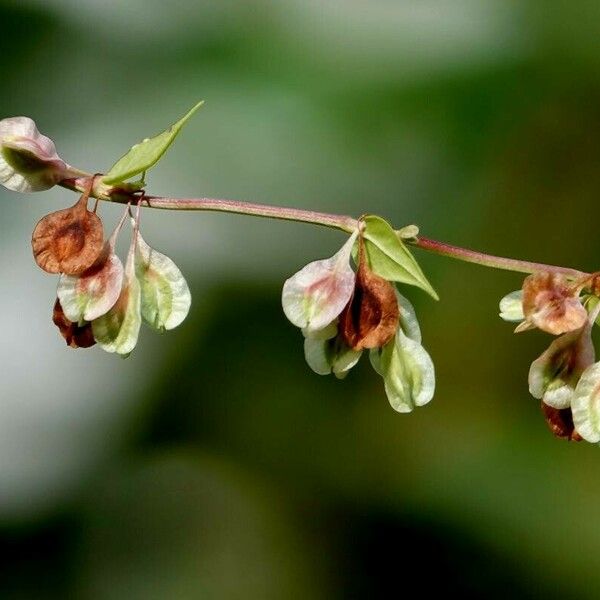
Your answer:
<point x="345" y="358"/>
<point x="28" y="159"/>
<point x="166" y="297"/>
<point x="390" y="258"/>
<point x="408" y="318"/>
<point x="407" y="371"/>
<point x="511" y="307"/>
<point x="585" y="404"/>
<point x="118" y="330"/>
<point x="322" y="334"/>
<point x="94" y="292"/>
<point x="147" y="153"/>
<point x="317" y="355"/>
<point x="317" y="294"/>
<point x="326" y="356"/>
<point x="554" y="375"/>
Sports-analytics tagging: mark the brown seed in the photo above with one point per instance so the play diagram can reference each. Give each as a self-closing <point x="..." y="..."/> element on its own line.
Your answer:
<point x="69" y="240"/>
<point x="75" y="336"/>
<point x="370" y="319"/>
<point x="560" y="422"/>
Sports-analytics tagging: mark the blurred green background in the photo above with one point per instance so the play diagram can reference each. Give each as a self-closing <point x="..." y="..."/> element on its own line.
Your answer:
<point x="213" y="463"/>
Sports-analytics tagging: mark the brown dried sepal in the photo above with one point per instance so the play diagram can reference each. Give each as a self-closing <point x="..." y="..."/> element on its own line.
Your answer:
<point x="560" y="422"/>
<point x="370" y="319"/>
<point x="551" y="304"/>
<point x="76" y="336"/>
<point x="68" y="241"/>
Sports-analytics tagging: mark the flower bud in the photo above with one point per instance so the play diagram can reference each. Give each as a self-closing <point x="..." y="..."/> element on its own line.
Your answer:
<point x="317" y="294"/>
<point x="28" y="159"/>
<point x="551" y="304"/>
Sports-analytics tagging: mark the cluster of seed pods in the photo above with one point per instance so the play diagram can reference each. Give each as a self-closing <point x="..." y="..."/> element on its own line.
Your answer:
<point x="100" y="301"/>
<point x="343" y="312"/>
<point x="566" y="377"/>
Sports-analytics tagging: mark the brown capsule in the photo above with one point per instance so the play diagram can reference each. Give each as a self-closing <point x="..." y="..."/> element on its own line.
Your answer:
<point x="75" y="335"/>
<point x="560" y="422"/>
<point x="68" y="241"/>
<point x="370" y="319"/>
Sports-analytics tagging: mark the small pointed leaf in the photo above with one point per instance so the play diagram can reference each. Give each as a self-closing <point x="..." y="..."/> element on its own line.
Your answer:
<point x="390" y="258"/>
<point x="147" y="153"/>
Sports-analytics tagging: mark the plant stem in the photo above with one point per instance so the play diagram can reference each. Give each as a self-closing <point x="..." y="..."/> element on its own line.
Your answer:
<point x="488" y="260"/>
<point x="342" y="222"/>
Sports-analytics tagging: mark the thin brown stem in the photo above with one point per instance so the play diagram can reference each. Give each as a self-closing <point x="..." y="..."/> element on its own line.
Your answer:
<point x="345" y="223"/>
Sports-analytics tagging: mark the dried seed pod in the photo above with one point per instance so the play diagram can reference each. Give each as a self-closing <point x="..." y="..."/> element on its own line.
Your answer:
<point x="75" y="335"/>
<point x="370" y="319"/>
<point x="92" y="294"/>
<point x="68" y="241"/>
<point x="560" y="422"/>
<point x="551" y="304"/>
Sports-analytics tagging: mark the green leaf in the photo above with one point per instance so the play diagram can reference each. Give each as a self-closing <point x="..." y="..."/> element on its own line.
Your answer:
<point x="147" y="153"/>
<point x="389" y="257"/>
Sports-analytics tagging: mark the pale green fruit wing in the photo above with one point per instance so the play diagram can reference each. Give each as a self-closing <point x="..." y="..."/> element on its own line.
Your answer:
<point x="344" y="359"/>
<point x="318" y="355"/>
<point x="328" y="332"/>
<point x="408" y="318"/>
<point x="165" y="295"/>
<point x="585" y="404"/>
<point x="554" y="375"/>
<point x="407" y="371"/>
<point x="92" y="294"/>
<point x="511" y="307"/>
<point x="118" y="330"/>
<point x="317" y="294"/>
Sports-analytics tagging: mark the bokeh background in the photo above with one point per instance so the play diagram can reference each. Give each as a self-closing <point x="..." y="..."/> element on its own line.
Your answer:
<point x="213" y="463"/>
